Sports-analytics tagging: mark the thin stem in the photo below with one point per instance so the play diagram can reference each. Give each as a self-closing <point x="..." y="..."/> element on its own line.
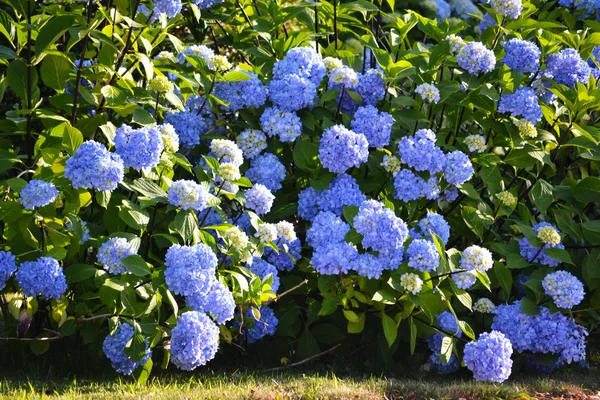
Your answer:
<point x="335" y="29"/>
<point x="440" y="330"/>
<point x="29" y="87"/>
<point x="79" y="67"/>
<point x="316" y="29"/>
<point x="279" y="296"/>
<point x="156" y="106"/>
<point x="247" y="20"/>
<point x="498" y="33"/>
<point x="339" y="106"/>
<point x="305" y="360"/>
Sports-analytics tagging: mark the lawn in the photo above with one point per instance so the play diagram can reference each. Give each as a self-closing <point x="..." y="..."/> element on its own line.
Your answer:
<point x="310" y="382"/>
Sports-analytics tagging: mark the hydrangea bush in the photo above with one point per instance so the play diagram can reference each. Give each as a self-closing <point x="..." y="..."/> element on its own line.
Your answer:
<point x="182" y="180"/>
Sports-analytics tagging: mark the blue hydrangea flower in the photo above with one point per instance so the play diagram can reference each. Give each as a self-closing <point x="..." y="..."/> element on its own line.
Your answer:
<point x="464" y="280"/>
<point x="487" y="22"/>
<point x="368" y="265"/>
<point x="343" y="191"/>
<point x="8" y="266"/>
<point x="508" y="8"/>
<point x="458" y="168"/>
<point x="259" y="328"/>
<point x="292" y="93"/>
<point x="241" y="94"/>
<point x="43" y="277"/>
<point x="289" y="254"/>
<point x="375" y="125"/>
<point x="447" y="322"/>
<point x="286" y="125"/>
<point x="450" y="194"/>
<point x="92" y="166"/>
<point x="522" y="55"/>
<point x="112" y="253"/>
<point x="442" y="10"/>
<point x="114" y="349"/>
<point x="343" y="78"/>
<point x="327" y="228"/>
<point x="408" y="185"/>
<point x="341" y="149"/>
<point x="431" y="190"/>
<point x="204" y="4"/>
<point x="302" y="61"/>
<point x="201" y="51"/>
<point x="371" y="87"/>
<point x="308" y="203"/>
<point x="522" y="103"/>
<point x="475" y="58"/>
<point x="190" y="269"/>
<point x="334" y="258"/>
<point x="189" y="125"/>
<point x="267" y="170"/>
<point x="543" y="333"/>
<point x="564" y="288"/>
<point x="421" y="153"/>
<point x="262" y="269"/>
<point x="476" y="258"/>
<point x="38" y="194"/>
<point x="251" y="142"/>
<point x="194" y="340"/>
<point x="489" y="357"/>
<point x="187" y="194"/>
<point x="423" y="255"/>
<point x="139" y="148"/>
<point x="169" y="7"/>
<point x="259" y="199"/>
<point x="217" y="302"/>
<point x="463" y="8"/>
<point x="428" y="92"/>
<point x="567" y="68"/>
<point x="381" y="229"/>
<point x="437" y="224"/>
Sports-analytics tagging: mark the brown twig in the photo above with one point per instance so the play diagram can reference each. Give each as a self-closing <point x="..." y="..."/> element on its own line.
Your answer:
<point x="305" y="360"/>
<point x="279" y="296"/>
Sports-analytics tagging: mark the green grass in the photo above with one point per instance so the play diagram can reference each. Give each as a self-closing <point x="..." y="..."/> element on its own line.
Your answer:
<point x="308" y="383"/>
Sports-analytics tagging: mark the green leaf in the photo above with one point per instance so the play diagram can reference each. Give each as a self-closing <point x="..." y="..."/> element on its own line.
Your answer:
<point x="150" y="189"/>
<point x="529" y="307"/>
<point x="51" y="31"/>
<point x="306" y="155"/>
<point x="142" y="117"/>
<point x="381" y="296"/>
<point x="541" y="195"/>
<point x="184" y="223"/>
<point x="349" y="214"/>
<point x="566" y="224"/>
<point x="560" y="255"/>
<point x="359" y="326"/>
<point x="413" y="335"/>
<point x="72" y="137"/>
<point x="591" y="231"/>
<point x="504" y="277"/>
<point x="520" y="158"/>
<point x="55" y="71"/>
<point x="587" y="190"/>
<point x="16" y="77"/>
<point x="79" y="272"/>
<point x="236" y="76"/>
<point x="135" y="219"/>
<point x="142" y="374"/>
<point x="390" y="329"/>
<point x="136" y="348"/>
<point x="350" y="315"/>
<point x="136" y="265"/>
<point x="446" y="349"/>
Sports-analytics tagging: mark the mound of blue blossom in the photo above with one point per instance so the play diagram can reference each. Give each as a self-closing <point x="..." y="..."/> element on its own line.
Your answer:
<point x="42" y="278"/>
<point x="114" y="349"/>
<point x="8" y="266"/>
<point x="188" y="195"/>
<point x="38" y="194"/>
<point x="489" y="357"/>
<point x="112" y="253"/>
<point x="93" y="167"/>
<point x="194" y="340"/>
<point x="139" y="148"/>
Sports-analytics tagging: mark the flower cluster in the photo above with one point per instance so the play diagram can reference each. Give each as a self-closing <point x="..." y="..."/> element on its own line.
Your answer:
<point x="476" y="258"/>
<point x="375" y="125"/>
<point x="422" y="255"/>
<point x="93" y="167"/>
<point x="476" y="143"/>
<point x="251" y="142"/>
<point x="38" y="194"/>
<point x="8" y="266"/>
<point x="567" y="68"/>
<point x="262" y="269"/>
<point x="267" y="170"/>
<point x="188" y="195"/>
<point x="508" y="8"/>
<point x="564" y="288"/>
<point x="382" y="231"/>
<point x="370" y="86"/>
<point x="428" y="92"/>
<point x="286" y="125"/>
<point x="522" y="103"/>
<point x="43" y="277"/>
<point x="303" y="62"/>
<point x="538" y="253"/>
<point x="257" y="328"/>
<point x="489" y="357"/>
<point x="522" y="56"/>
<point x="242" y="94"/>
<point x="139" y="148"/>
<point x="341" y="149"/>
<point x="112" y="253"/>
<point x="446" y="322"/>
<point x="484" y="306"/>
<point x="194" y="340"/>
<point x="114" y="349"/>
<point x="476" y="58"/>
<point x="259" y="198"/>
<point x="411" y="283"/>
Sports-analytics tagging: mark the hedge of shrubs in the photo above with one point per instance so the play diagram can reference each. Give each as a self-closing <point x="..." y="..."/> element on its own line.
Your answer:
<point x="184" y="179"/>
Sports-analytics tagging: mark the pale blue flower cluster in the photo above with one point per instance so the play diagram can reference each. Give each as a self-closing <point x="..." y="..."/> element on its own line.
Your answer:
<point x="508" y="8"/>
<point x="537" y="254"/>
<point x="201" y="51"/>
<point x="375" y="125"/>
<point x="370" y="86"/>
<point x="368" y="265"/>
<point x="37" y="194"/>
<point x="241" y="94"/>
<point x="567" y="68"/>
<point x="308" y="203"/>
<point x="446" y="322"/>
<point x="93" y="167"/>
<point x="267" y="170"/>
<point x="43" y="277"/>
<point x="341" y="149"/>
<point x="257" y="329"/>
<point x="114" y="349"/>
<point x="334" y="258"/>
<point x="423" y="255"/>
<point x="437" y="224"/>
<point x="112" y="253"/>
<point x="204" y="4"/>
<point x="409" y="186"/>
<point x="421" y="153"/>
<point x="304" y="62"/>
<point x="251" y="142"/>
<point x="522" y="55"/>
<point x="8" y="266"/>
<point x="475" y="58"/>
<point x="289" y="254"/>
<point x="189" y="125"/>
<point x="262" y="269"/>
<point x="463" y="8"/>
<point x="292" y="93"/>
<point x="226" y="151"/>
<point x="190" y="269"/>
<point x="522" y="103"/>
<point x="259" y="199"/>
<point x="286" y="125"/>
<point x="564" y="288"/>
<point x="476" y="258"/>
<point x="343" y="191"/>
<point x="489" y="357"/>
<point x="169" y="7"/>
<point x="428" y="92"/>
<point x="218" y="302"/>
<point x="458" y="168"/>
<point x="187" y="195"/>
<point x="381" y="229"/>
<point x="464" y="280"/>
<point x="543" y="333"/>
<point x="585" y="7"/>
<point x="139" y="148"/>
<point x="194" y="340"/>
<point x="443" y="10"/>
<point x="326" y="228"/>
